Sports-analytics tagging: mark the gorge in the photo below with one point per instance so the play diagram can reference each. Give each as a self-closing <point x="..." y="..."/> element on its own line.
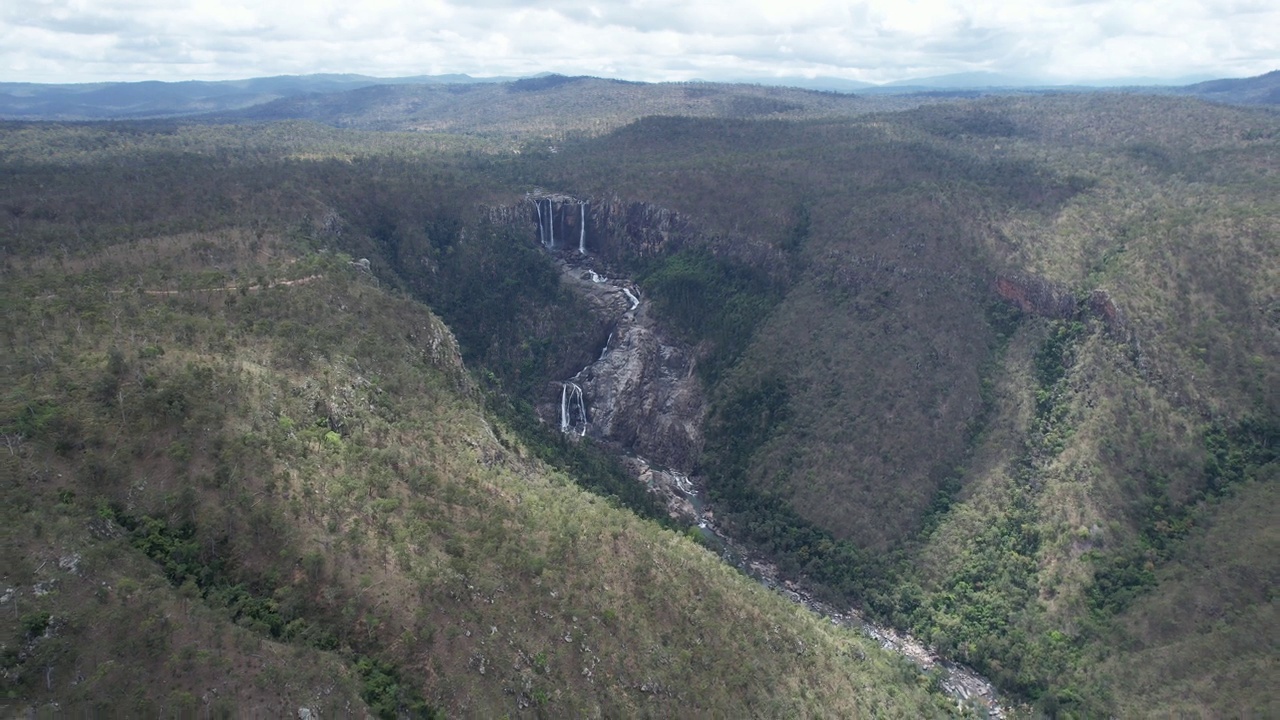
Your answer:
<point x="647" y="402"/>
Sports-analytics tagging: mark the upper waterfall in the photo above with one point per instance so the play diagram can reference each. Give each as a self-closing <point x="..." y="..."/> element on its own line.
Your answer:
<point x="551" y="223"/>
<point x="538" y="206"/>
<point x="559" y="208"/>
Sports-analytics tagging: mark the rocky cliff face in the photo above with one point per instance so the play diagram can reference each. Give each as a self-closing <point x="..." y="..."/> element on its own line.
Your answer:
<point x="1037" y="296"/>
<point x="613" y="231"/>
<point x="645" y="396"/>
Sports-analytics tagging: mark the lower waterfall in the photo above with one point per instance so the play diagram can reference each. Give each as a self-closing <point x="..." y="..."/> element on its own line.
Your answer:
<point x="571" y="394"/>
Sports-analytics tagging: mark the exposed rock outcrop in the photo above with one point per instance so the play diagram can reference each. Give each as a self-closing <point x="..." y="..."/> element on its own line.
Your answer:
<point x="1102" y="306"/>
<point x="1037" y="296"/>
<point x="644" y="395"/>
<point x="673" y="488"/>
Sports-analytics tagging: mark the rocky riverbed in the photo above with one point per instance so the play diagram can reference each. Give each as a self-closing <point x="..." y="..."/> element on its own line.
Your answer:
<point x="971" y="691"/>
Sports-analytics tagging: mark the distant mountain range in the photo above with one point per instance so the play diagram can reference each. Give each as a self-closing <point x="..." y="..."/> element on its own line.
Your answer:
<point x="1260" y="90"/>
<point x="154" y="99"/>
<point x="552" y="104"/>
<point x="263" y="98"/>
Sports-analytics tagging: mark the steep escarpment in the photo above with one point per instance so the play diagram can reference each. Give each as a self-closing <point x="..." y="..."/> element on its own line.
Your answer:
<point x="616" y="233"/>
<point x="870" y="372"/>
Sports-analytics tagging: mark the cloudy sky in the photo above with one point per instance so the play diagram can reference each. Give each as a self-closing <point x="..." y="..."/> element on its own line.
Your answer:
<point x="872" y="41"/>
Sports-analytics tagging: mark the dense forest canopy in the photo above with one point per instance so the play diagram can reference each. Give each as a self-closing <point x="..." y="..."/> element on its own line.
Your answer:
<point x="1000" y="372"/>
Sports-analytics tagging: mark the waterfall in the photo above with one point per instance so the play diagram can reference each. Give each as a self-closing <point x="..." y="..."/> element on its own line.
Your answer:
<point x="582" y="409"/>
<point x="597" y="277"/>
<point x="541" y="239"/>
<point x="571" y="393"/>
<point x="605" y="349"/>
<point x="582" y="230"/>
<point x="564" y="407"/>
<point x="635" y="301"/>
<point x="551" y="223"/>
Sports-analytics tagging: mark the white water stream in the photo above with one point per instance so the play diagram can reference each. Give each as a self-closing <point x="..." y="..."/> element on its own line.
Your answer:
<point x="551" y="224"/>
<point x="538" y="206"/>
<point x="571" y="399"/>
<point x="635" y="301"/>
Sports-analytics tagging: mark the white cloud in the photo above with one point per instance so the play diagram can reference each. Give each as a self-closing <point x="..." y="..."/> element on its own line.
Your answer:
<point x="875" y="40"/>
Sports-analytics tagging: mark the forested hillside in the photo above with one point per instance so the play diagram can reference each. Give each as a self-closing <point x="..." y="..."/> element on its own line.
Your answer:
<point x="1001" y="373"/>
<point x="1026" y="356"/>
<point x="243" y="475"/>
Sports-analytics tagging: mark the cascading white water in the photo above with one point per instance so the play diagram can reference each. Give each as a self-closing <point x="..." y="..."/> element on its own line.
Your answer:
<point x="551" y="223"/>
<point x="541" y="240"/>
<point x="683" y="483"/>
<point x="571" y="393"/>
<point x="635" y="301"/>
<point x="582" y="409"/>
<point x="597" y="277"/>
<point x="582" y="230"/>
<point x="605" y="349"/>
<point x="564" y="407"/>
